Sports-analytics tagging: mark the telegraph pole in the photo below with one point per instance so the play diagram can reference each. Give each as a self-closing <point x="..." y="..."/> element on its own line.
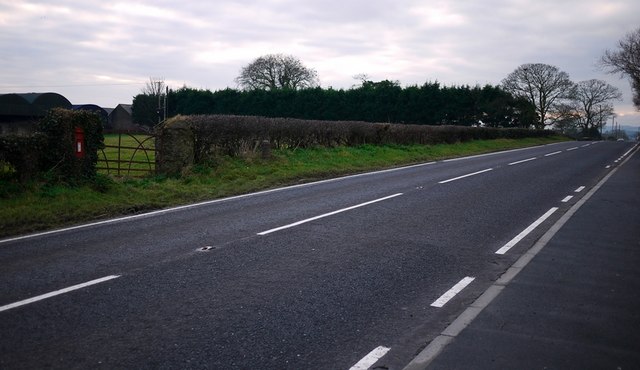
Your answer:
<point x="159" y="90"/>
<point x="165" y="102"/>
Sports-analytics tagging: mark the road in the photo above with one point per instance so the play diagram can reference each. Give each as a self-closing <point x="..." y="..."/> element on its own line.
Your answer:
<point x="337" y="274"/>
<point x="574" y="305"/>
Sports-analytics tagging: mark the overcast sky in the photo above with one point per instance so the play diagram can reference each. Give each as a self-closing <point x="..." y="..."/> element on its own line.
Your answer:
<point x="103" y="52"/>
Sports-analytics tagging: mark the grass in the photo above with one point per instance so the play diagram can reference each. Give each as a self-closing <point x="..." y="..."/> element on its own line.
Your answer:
<point x="140" y="150"/>
<point x="39" y="206"/>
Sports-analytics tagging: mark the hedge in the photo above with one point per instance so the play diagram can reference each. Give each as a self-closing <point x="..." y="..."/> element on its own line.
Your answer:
<point x="59" y="158"/>
<point x="51" y="148"/>
<point x="22" y="153"/>
<point x="233" y="135"/>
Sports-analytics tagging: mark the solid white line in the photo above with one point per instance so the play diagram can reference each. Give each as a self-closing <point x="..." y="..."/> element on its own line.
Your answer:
<point x="371" y="358"/>
<point x="523" y="161"/>
<point x="57" y="292"/>
<point x="452" y="292"/>
<point x="629" y="151"/>
<point x="570" y="149"/>
<point x="525" y="232"/>
<point x="209" y="202"/>
<point x="438" y="344"/>
<point x="579" y="189"/>
<point x="554" y="153"/>
<point x="467" y="175"/>
<point x="327" y="214"/>
<point x="567" y="198"/>
<point x="495" y="153"/>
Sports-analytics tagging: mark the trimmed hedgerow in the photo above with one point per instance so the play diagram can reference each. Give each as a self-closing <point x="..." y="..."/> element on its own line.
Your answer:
<point x="233" y="135"/>
<point x="58" y="157"/>
<point x="22" y="153"/>
<point x="51" y="149"/>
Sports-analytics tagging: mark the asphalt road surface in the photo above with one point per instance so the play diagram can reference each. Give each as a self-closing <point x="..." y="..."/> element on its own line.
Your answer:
<point x="342" y="274"/>
<point x="573" y="306"/>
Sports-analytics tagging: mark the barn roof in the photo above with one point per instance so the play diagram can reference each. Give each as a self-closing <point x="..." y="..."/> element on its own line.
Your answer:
<point x="31" y="104"/>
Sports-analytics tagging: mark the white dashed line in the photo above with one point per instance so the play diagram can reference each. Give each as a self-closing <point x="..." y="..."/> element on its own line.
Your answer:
<point x="554" y="153"/>
<point x="567" y="198"/>
<point x="467" y="175"/>
<point x="446" y="297"/>
<point x="526" y="232"/>
<point x="327" y="214"/>
<point x="570" y="149"/>
<point x="57" y="292"/>
<point x="523" y="161"/>
<point x="579" y="189"/>
<point x="370" y="359"/>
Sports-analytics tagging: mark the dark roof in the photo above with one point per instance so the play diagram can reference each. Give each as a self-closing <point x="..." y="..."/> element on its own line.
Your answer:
<point x="126" y="107"/>
<point x="103" y="113"/>
<point x="31" y="104"/>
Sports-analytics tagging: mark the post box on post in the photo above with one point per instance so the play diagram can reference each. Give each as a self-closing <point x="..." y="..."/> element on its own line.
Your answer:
<point x="79" y="142"/>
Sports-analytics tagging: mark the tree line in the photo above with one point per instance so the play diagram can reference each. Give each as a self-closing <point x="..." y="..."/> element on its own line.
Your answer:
<point x="383" y="101"/>
<point x="533" y="95"/>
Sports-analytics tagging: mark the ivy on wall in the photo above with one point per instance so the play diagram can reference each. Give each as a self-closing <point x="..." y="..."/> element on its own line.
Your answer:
<point x="51" y="149"/>
<point x="59" y="157"/>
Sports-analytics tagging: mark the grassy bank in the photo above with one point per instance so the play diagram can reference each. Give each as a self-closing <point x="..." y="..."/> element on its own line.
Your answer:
<point x="40" y="206"/>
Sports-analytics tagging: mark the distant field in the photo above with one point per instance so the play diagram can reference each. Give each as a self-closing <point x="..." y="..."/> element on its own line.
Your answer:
<point x="135" y="156"/>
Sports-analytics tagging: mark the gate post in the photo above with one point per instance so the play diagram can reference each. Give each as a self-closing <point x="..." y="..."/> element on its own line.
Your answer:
<point x="175" y="147"/>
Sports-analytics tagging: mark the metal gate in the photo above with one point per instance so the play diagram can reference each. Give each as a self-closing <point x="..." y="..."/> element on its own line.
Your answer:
<point x="128" y="154"/>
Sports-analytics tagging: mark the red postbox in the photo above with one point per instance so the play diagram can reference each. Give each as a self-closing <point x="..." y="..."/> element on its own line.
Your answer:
<point x="79" y="142"/>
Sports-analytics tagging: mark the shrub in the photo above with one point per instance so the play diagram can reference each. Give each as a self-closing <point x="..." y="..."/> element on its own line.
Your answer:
<point x="22" y="153"/>
<point x="213" y="135"/>
<point x="58" y="157"/>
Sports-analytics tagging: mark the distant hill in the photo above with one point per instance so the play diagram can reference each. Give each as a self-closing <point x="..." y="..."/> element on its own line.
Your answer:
<point x="631" y="131"/>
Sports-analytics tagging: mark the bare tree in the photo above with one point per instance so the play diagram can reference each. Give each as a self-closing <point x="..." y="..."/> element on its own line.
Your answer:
<point x="149" y="107"/>
<point x="593" y="102"/>
<point x="277" y="71"/>
<point x="154" y="87"/>
<point x="542" y="85"/>
<point x="626" y="61"/>
<point x="362" y="78"/>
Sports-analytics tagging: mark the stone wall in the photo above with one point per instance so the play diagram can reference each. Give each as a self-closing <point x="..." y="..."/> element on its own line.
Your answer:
<point x="175" y="147"/>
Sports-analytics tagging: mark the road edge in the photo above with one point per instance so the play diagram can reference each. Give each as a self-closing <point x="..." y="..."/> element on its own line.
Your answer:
<point x="435" y="347"/>
<point x="162" y="211"/>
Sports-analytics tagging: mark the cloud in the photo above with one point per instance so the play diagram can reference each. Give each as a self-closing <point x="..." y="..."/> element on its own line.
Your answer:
<point x="204" y="44"/>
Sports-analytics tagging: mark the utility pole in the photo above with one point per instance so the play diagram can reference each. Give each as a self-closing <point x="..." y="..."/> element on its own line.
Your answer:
<point x="165" y="102"/>
<point x="159" y="90"/>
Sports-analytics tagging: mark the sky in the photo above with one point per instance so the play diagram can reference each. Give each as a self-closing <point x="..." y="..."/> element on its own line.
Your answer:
<point x="104" y="52"/>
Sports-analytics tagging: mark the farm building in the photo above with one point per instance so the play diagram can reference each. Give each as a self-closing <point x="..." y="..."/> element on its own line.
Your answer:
<point x="103" y="113"/>
<point x="19" y="113"/>
<point x="120" y="119"/>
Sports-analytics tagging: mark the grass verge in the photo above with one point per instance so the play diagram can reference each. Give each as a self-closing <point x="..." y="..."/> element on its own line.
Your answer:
<point x="40" y="206"/>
